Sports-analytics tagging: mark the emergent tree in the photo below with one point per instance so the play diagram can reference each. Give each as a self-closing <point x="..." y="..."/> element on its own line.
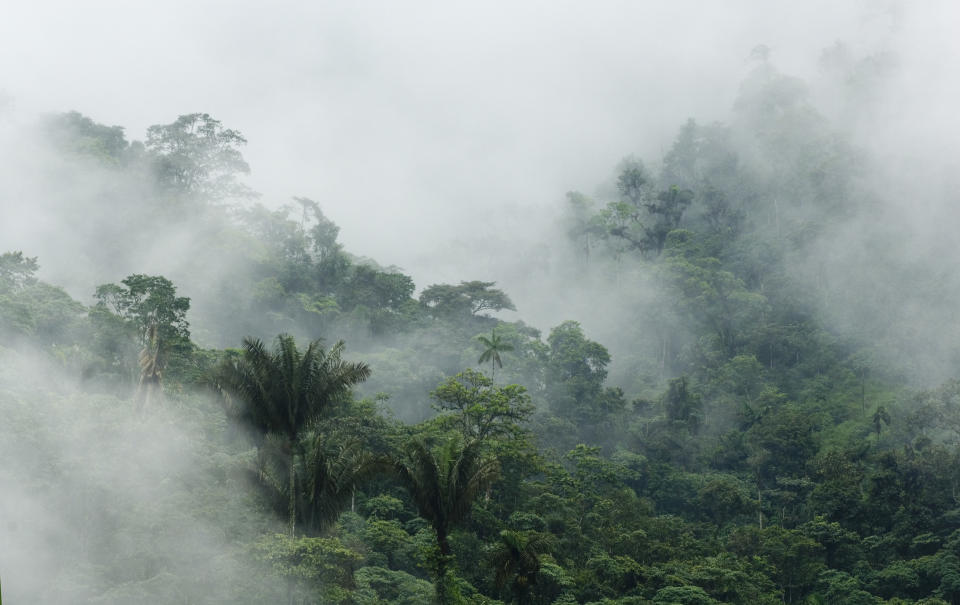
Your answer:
<point x="283" y="392"/>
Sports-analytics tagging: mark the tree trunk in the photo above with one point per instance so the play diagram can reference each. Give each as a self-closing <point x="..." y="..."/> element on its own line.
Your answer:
<point x="443" y="567"/>
<point x="759" y="505"/>
<point x="293" y="495"/>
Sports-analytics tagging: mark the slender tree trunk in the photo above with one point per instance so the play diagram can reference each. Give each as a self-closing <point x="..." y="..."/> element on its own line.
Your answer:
<point x="443" y="566"/>
<point x="293" y="517"/>
<point x="293" y="495"/>
<point x="760" y="505"/>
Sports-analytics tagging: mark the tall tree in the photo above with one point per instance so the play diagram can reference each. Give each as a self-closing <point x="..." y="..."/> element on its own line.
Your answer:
<point x="642" y="220"/>
<point x="283" y="392"/>
<point x="149" y="308"/>
<point x="196" y="157"/>
<point x="465" y="300"/>
<point x="479" y="409"/>
<point x="443" y="484"/>
<point x="147" y="302"/>
<point x="576" y="370"/>
<point x="665" y="213"/>
<point x="493" y="346"/>
<point x="713" y="297"/>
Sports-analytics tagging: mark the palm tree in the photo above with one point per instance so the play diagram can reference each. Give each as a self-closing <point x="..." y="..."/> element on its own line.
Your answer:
<point x="517" y="555"/>
<point x="330" y="478"/>
<point x="444" y="485"/>
<point x="327" y="474"/>
<point x="283" y="392"/>
<point x="494" y="346"/>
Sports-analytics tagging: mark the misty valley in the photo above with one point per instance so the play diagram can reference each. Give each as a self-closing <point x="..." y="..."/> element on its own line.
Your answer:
<point x="727" y="375"/>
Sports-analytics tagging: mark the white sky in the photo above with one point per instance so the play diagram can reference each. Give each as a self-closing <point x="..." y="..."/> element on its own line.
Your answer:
<point x="417" y="124"/>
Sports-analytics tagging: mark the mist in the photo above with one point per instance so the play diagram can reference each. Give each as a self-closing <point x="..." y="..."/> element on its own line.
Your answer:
<point x="448" y="144"/>
<point x="432" y="130"/>
<point x="416" y="124"/>
<point x="102" y="503"/>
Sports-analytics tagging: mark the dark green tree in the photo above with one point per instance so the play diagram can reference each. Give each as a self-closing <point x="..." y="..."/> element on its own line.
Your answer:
<point x="682" y="405"/>
<point x="575" y="360"/>
<point x="465" y="300"/>
<point x="575" y="373"/>
<point x="443" y="483"/>
<point x="480" y="409"/>
<point x="713" y="297"/>
<point x="665" y="213"/>
<point x="796" y="559"/>
<point x="516" y="561"/>
<point x="283" y="392"/>
<point x="148" y="302"/>
<point x="642" y="220"/>
<point x="331" y="473"/>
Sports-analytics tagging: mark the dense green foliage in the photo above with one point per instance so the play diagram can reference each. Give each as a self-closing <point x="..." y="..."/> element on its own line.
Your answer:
<point x="746" y="450"/>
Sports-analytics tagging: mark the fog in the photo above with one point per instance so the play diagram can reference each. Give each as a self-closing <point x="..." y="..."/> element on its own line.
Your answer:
<point x="429" y="123"/>
<point x="434" y="128"/>
<point x="102" y="503"/>
<point x="442" y="139"/>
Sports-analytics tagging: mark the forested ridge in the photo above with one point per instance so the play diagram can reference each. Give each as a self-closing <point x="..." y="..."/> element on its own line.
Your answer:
<point x="759" y="417"/>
